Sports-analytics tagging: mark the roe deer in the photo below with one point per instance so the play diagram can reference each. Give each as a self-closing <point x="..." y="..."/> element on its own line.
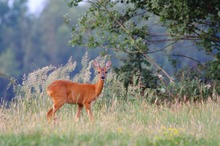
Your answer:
<point x="62" y="92"/>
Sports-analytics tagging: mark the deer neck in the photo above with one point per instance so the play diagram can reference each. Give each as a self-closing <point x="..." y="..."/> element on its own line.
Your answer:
<point x="99" y="86"/>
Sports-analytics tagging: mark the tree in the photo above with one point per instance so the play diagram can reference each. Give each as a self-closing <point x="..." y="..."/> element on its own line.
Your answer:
<point x="13" y="22"/>
<point x="197" y="20"/>
<point x="54" y="27"/>
<point x="135" y="72"/>
<point x="109" y="25"/>
<point x="28" y="42"/>
<point x="122" y="25"/>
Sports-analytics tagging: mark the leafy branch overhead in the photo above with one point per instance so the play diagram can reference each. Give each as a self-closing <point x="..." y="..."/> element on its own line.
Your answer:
<point x="116" y="27"/>
<point x="122" y="26"/>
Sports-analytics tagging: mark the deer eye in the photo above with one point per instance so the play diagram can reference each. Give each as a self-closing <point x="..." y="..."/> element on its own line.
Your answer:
<point x="99" y="72"/>
<point x="106" y="72"/>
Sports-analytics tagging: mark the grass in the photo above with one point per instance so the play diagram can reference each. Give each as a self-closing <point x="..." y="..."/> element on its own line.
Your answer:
<point x="117" y="123"/>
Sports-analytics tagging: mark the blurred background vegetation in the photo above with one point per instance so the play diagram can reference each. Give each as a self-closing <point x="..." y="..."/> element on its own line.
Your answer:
<point x="177" y="40"/>
<point x="29" y="41"/>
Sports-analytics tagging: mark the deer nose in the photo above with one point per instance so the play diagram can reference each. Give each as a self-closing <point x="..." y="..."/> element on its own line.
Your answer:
<point x="102" y="77"/>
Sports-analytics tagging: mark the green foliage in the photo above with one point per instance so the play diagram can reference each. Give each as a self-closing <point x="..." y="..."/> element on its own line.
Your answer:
<point x="8" y="63"/>
<point x="73" y="3"/>
<point x="212" y="70"/>
<point x="28" y="42"/>
<point x="188" y="17"/>
<point x="192" y="20"/>
<point x="135" y="72"/>
<point x="12" y="21"/>
<point x="122" y="26"/>
<point x="106" y="25"/>
<point x="190" y="86"/>
<point x="108" y="139"/>
<point x="117" y="27"/>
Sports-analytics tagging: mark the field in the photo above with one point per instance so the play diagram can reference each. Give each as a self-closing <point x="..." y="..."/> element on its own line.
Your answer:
<point x="116" y="123"/>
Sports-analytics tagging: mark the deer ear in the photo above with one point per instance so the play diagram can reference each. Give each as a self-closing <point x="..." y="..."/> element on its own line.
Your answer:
<point x="95" y="64"/>
<point x="108" y="65"/>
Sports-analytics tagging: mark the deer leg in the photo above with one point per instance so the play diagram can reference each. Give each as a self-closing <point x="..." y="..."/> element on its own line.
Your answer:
<point x="89" y="111"/>
<point x="56" y="107"/>
<point x="49" y="114"/>
<point x="80" y="107"/>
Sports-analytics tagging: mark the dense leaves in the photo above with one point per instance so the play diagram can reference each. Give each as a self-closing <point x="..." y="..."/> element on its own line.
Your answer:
<point x="123" y="25"/>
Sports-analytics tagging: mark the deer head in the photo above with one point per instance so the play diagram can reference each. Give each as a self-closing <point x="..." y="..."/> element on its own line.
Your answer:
<point x="102" y="71"/>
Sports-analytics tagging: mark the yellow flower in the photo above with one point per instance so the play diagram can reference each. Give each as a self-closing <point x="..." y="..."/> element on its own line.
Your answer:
<point x="170" y="131"/>
<point x="119" y="130"/>
<point x="173" y="131"/>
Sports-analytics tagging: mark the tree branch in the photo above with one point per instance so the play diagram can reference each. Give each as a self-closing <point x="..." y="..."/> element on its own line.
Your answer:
<point x="155" y="51"/>
<point x="144" y="54"/>
<point x="184" y="56"/>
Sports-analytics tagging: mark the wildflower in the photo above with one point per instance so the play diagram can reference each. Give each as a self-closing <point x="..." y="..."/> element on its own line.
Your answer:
<point x="119" y="130"/>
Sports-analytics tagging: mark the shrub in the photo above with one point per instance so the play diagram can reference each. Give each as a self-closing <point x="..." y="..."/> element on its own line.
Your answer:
<point x="188" y="86"/>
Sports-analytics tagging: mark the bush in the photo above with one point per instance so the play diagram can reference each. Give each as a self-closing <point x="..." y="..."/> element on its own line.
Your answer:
<point x="189" y="86"/>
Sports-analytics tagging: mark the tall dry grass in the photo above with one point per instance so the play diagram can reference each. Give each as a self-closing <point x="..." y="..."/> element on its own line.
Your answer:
<point x="129" y="120"/>
<point x="117" y="121"/>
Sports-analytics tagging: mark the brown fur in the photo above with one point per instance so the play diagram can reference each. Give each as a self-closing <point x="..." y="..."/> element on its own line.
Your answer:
<point x="62" y="92"/>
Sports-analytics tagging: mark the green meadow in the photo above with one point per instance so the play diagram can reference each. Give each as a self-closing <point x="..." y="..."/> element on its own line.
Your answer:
<point x="121" y="118"/>
<point x="116" y="123"/>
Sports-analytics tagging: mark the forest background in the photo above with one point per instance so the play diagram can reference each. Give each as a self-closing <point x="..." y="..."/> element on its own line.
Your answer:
<point x="149" y="39"/>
